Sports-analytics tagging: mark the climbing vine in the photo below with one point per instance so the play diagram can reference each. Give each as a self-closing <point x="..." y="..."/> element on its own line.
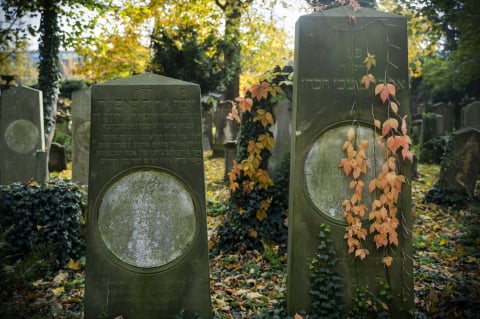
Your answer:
<point x="252" y="213"/>
<point x="393" y="139"/>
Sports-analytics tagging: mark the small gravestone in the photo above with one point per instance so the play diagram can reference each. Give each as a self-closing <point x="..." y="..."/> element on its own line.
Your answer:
<point x="460" y="169"/>
<point x="471" y="115"/>
<point x="282" y="134"/>
<point x="230" y="132"/>
<point x="207" y="125"/>
<point x="220" y="120"/>
<point x="147" y="239"/>
<point x="22" y="146"/>
<point x="81" y="101"/>
<point x="330" y="50"/>
<point x="447" y="111"/>
<point x="57" y="159"/>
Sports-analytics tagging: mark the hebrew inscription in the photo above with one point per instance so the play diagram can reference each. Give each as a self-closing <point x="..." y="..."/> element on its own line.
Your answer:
<point x="147" y="218"/>
<point x="127" y="127"/>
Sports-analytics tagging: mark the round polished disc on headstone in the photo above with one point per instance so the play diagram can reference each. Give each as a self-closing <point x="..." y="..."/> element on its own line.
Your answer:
<point x="22" y="136"/>
<point x="147" y="218"/>
<point x="82" y="136"/>
<point x="326" y="183"/>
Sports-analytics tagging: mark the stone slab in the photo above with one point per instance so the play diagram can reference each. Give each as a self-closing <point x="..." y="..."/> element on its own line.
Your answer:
<point x="22" y="145"/>
<point x="147" y="239"/>
<point x="329" y="52"/>
<point x="81" y="109"/>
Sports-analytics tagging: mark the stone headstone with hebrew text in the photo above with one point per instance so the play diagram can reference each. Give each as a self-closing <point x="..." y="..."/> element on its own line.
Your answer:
<point x="81" y="107"/>
<point x="329" y="98"/>
<point x="147" y="239"/>
<point x="22" y="146"/>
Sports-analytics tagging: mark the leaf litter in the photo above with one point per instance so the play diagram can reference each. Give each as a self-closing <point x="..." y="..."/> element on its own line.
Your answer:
<point x="247" y="284"/>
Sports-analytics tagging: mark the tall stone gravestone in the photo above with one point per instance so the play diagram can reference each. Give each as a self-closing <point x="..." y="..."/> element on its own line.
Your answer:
<point x="81" y="108"/>
<point x="22" y="145"/>
<point x="220" y="122"/>
<point x="147" y="240"/>
<point x="330" y="50"/>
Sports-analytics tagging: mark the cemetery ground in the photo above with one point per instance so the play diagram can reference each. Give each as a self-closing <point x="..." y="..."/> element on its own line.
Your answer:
<point x="248" y="284"/>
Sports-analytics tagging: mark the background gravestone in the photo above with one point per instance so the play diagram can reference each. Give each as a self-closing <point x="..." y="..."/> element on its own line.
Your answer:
<point x="281" y="131"/>
<point x="147" y="240"/>
<point x="57" y="159"/>
<point x="81" y="107"/>
<point x="22" y="146"/>
<point x="220" y="121"/>
<point x="329" y="52"/>
<point x="471" y="115"/>
<point x="461" y="167"/>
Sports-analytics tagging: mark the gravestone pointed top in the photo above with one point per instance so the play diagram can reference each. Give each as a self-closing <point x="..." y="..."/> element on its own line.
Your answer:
<point x="147" y="78"/>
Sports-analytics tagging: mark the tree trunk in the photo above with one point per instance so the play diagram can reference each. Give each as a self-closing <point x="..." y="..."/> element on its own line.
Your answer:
<point x="48" y="67"/>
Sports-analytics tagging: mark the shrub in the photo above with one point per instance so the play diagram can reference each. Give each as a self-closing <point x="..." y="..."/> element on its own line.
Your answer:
<point x="34" y="215"/>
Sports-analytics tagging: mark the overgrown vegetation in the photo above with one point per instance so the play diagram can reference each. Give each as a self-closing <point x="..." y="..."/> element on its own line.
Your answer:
<point x="34" y="215"/>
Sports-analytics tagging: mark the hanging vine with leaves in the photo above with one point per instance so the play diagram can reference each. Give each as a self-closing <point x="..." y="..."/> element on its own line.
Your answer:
<point x="393" y="139"/>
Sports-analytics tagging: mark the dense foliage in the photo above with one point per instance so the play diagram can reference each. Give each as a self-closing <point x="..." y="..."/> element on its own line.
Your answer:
<point x="34" y="215"/>
<point x="256" y="209"/>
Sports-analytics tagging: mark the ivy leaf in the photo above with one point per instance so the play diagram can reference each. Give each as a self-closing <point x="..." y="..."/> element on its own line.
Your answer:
<point x="261" y="215"/>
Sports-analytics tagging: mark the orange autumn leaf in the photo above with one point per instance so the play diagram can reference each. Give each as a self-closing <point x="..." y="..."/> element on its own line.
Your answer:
<point x="259" y="90"/>
<point x="245" y="104"/>
<point x="367" y="80"/>
<point x="385" y="90"/>
<point x="388" y="125"/>
<point x="350" y="134"/>
<point x="361" y="253"/>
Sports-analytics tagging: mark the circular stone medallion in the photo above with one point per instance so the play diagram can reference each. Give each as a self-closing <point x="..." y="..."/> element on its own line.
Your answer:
<point x="327" y="185"/>
<point x="22" y="136"/>
<point x="147" y="218"/>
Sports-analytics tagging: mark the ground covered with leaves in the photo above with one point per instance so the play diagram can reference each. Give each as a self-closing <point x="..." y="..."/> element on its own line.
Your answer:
<point x="249" y="284"/>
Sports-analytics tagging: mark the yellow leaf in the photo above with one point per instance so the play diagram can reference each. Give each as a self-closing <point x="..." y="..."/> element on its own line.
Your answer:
<point x="387" y="261"/>
<point x="350" y="134"/>
<point x="74" y="264"/>
<point x="261" y="214"/>
<point x="394" y="107"/>
<point x="58" y="291"/>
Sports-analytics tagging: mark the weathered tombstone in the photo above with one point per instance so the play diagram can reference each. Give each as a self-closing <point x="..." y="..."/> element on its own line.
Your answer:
<point x="81" y="107"/>
<point x="57" y="159"/>
<point x="147" y="239"/>
<point x="471" y="115"/>
<point x="460" y="169"/>
<point x="432" y="126"/>
<point x="447" y="111"/>
<point x="207" y="125"/>
<point x="282" y="135"/>
<point x="22" y="146"/>
<point x="329" y="52"/>
<point x="220" y="119"/>
<point x="230" y="132"/>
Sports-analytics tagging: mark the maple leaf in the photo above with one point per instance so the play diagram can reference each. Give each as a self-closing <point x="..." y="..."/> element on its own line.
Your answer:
<point x="245" y="104"/>
<point x="370" y="60"/>
<point x="74" y="264"/>
<point x="259" y="90"/>
<point x="367" y="80"/>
